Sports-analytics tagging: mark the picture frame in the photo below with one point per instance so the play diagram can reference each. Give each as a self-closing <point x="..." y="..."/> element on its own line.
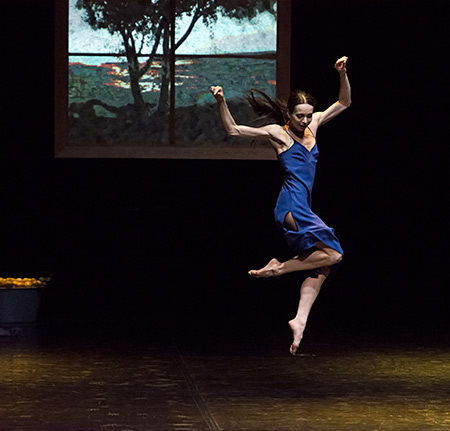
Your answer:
<point x="99" y="128"/>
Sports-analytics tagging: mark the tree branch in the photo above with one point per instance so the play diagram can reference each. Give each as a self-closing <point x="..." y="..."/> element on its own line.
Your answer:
<point x="158" y="34"/>
<point x="195" y="18"/>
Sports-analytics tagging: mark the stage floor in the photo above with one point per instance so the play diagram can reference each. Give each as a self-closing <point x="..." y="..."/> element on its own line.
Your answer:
<point x="50" y="382"/>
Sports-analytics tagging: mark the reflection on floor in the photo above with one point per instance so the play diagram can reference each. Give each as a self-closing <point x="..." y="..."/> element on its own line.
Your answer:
<point x="51" y="381"/>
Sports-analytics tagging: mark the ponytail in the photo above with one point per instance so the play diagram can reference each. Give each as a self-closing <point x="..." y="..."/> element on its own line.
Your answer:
<point x="266" y="108"/>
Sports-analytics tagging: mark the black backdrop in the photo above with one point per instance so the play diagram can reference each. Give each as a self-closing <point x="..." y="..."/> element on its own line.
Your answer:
<point x="167" y="243"/>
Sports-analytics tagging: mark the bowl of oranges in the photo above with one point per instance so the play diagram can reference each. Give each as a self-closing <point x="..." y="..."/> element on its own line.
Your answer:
<point x="21" y="283"/>
<point x="20" y="298"/>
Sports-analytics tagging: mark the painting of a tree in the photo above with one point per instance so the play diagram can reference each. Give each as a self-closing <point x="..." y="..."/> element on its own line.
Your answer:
<point x="139" y="73"/>
<point x="146" y="23"/>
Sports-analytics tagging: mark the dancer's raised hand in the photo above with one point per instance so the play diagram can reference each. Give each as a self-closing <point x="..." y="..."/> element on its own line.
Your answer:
<point x="340" y="65"/>
<point x="217" y="92"/>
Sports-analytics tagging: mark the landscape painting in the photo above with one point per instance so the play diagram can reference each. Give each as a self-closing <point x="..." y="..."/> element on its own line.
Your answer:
<point x="139" y="73"/>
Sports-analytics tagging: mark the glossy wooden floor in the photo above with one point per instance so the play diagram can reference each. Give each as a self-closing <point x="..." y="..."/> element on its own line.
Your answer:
<point x="52" y="380"/>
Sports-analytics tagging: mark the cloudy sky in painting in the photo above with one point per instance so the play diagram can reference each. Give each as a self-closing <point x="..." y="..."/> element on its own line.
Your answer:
<point x="225" y="36"/>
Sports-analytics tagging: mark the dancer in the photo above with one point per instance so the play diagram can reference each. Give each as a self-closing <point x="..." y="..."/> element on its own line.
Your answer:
<point x="293" y="137"/>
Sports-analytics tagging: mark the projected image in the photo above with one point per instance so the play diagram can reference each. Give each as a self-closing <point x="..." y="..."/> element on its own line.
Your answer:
<point x="129" y="88"/>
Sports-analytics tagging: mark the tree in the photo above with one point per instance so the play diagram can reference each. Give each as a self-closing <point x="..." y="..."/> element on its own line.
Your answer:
<point x="143" y="23"/>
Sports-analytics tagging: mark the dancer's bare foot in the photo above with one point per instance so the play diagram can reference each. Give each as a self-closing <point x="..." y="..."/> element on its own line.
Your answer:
<point x="272" y="269"/>
<point x="297" y="333"/>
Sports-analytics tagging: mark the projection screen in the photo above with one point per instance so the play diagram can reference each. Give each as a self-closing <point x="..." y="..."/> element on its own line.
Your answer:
<point x="132" y="77"/>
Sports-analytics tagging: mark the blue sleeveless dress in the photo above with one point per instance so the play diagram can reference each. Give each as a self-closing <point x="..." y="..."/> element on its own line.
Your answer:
<point x="299" y="168"/>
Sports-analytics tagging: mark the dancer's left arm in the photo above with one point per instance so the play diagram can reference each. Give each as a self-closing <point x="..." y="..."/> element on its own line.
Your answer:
<point x="344" y="95"/>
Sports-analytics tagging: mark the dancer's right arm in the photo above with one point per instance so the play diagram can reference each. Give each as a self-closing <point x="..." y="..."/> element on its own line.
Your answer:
<point x="270" y="132"/>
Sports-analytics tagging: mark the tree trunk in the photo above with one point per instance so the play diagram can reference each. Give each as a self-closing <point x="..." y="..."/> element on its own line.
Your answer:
<point x="163" y="103"/>
<point x="134" y="82"/>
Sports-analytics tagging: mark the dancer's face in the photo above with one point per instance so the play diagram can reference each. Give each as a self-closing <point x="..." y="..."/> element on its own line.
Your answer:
<point x="300" y="117"/>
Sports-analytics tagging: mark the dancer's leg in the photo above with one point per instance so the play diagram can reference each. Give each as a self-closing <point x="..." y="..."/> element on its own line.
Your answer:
<point x="308" y="293"/>
<point x="320" y="256"/>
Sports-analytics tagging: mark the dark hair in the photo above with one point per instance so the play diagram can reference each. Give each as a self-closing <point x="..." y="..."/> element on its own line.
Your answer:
<point x="300" y="97"/>
<point x="276" y="110"/>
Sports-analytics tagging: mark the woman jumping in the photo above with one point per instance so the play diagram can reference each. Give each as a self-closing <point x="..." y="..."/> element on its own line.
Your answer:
<point x="293" y="137"/>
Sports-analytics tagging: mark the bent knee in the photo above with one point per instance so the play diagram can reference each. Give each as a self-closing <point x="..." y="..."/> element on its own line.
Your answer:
<point x="335" y="257"/>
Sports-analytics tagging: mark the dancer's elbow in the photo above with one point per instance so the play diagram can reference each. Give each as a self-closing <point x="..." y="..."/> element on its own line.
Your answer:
<point x="233" y="131"/>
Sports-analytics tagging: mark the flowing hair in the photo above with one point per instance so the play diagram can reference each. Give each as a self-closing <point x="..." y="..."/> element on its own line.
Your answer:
<point x="268" y="109"/>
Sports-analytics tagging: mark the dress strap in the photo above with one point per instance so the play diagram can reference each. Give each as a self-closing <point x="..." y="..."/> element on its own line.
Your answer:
<point x="314" y="136"/>
<point x="285" y="127"/>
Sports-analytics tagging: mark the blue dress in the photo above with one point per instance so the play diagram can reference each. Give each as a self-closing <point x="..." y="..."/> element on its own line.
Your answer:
<point x="299" y="168"/>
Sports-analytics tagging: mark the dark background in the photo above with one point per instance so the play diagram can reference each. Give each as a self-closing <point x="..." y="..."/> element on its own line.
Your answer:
<point x="164" y="245"/>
